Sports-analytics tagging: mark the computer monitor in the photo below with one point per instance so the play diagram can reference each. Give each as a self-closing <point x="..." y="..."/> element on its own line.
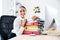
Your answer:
<point x="50" y="16"/>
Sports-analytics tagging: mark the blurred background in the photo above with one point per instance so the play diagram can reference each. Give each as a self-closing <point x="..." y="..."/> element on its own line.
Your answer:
<point x="49" y="10"/>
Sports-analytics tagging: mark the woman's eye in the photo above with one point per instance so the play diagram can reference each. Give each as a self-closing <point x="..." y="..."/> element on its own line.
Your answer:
<point x="20" y="11"/>
<point x="23" y="10"/>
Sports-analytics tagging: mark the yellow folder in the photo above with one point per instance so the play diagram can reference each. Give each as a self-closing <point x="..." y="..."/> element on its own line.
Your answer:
<point x="31" y="28"/>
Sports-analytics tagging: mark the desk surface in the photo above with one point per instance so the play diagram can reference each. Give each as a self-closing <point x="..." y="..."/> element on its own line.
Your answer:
<point x="36" y="37"/>
<point x="39" y="37"/>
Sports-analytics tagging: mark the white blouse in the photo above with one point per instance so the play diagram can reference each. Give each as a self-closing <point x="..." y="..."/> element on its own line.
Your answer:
<point x="17" y="28"/>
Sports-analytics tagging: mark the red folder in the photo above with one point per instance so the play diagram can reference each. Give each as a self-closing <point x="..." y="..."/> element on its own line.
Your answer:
<point x="31" y="32"/>
<point x="32" y="24"/>
<point x="27" y="32"/>
<point x="29" y="24"/>
<point x="36" y="23"/>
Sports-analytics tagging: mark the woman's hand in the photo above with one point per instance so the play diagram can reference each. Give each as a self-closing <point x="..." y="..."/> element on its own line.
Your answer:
<point x="34" y="18"/>
<point x="24" y="22"/>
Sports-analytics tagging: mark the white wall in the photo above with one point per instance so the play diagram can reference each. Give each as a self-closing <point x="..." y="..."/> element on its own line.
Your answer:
<point x="0" y="8"/>
<point x="7" y="7"/>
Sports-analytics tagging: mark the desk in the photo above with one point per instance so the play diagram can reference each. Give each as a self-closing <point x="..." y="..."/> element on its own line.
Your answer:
<point x="36" y="37"/>
<point x="39" y="37"/>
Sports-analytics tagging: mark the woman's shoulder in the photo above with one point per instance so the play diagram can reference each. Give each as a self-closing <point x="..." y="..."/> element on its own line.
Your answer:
<point x="17" y="18"/>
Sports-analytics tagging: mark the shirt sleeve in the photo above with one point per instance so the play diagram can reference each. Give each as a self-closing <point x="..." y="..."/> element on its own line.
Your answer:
<point x="17" y="28"/>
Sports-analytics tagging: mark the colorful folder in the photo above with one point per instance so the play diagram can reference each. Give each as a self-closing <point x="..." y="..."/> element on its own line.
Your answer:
<point x="31" y="28"/>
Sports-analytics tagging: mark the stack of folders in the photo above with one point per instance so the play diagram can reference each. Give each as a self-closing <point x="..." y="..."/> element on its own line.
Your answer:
<point x="31" y="28"/>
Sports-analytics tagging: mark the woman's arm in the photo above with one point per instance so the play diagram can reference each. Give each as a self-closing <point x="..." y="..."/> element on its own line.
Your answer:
<point x="18" y="26"/>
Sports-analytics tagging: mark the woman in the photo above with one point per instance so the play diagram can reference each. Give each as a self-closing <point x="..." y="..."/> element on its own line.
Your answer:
<point x="20" y="21"/>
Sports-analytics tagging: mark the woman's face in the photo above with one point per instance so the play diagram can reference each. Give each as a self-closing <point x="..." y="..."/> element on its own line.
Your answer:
<point x="22" y="12"/>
